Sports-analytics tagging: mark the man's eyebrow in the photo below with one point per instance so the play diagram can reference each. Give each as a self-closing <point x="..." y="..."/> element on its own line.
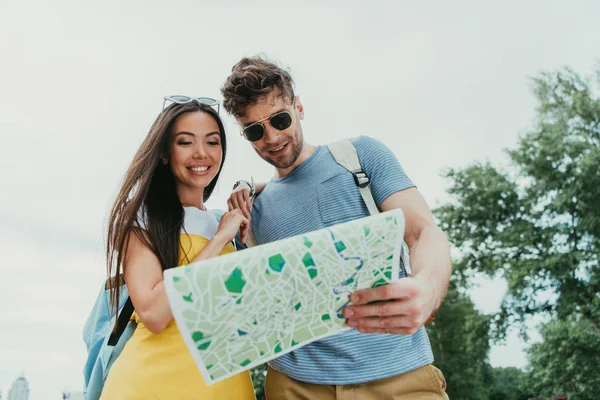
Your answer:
<point x="265" y="118"/>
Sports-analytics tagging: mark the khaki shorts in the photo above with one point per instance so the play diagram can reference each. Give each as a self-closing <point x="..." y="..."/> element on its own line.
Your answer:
<point x="425" y="383"/>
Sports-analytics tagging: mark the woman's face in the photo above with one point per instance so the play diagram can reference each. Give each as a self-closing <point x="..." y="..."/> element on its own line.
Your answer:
<point x="194" y="150"/>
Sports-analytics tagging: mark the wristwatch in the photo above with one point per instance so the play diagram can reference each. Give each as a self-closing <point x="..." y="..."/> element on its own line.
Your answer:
<point x="250" y="185"/>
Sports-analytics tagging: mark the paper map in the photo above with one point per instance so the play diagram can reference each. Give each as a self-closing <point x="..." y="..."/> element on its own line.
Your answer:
<point x="245" y="308"/>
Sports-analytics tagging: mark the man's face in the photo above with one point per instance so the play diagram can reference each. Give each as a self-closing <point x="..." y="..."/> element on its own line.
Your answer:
<point x="279" y="148"/>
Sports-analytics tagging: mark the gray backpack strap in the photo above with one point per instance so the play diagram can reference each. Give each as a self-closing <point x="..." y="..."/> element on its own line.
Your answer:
<point x="344" y="153"/>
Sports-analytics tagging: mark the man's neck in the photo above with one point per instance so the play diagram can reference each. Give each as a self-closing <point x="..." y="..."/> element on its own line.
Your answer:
<point x="305" y="153"/>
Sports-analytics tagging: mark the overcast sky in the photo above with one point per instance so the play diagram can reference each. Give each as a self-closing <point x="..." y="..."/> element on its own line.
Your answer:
<point x="443" y="84"/>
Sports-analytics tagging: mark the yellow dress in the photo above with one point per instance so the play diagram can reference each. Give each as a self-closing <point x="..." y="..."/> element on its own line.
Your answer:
<point x="159" y="366"/>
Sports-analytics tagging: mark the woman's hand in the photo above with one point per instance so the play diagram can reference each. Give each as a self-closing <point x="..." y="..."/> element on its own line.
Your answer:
<point x="232" y="222"/>
<point x="240" y="200"/>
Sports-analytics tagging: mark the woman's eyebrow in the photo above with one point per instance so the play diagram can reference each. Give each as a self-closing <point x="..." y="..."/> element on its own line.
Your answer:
<point x="185" y="133"/>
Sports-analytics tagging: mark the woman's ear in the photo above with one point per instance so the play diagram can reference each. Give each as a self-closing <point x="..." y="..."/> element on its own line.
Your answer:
<point x="164" y="159"/>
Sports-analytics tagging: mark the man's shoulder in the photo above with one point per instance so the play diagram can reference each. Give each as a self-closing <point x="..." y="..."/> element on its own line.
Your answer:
<point x="369" y="148"/>
<point x="364" y="142"/>
<point x="361" y="140"/>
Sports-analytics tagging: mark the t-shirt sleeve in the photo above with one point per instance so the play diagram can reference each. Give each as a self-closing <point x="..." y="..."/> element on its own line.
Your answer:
<point x="383" y="168"/>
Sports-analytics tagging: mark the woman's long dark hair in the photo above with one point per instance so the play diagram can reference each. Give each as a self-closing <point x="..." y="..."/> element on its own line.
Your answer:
<point x="150" y="184"/>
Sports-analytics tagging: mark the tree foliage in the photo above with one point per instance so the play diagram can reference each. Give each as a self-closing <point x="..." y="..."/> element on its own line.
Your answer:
<point x="567" y="361"/>
<point x="510" y="383"/>
<point x="538" y="225"/>
<point x="460" y="341"/>
<point x="259" y="374"/>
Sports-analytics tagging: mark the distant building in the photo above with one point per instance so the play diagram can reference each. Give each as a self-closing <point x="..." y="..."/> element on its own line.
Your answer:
<point x="72" y="395"/>
<point x="19" y="389"/>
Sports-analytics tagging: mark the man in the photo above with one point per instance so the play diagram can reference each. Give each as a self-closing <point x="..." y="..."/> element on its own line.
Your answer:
<point x="311" y="191"/>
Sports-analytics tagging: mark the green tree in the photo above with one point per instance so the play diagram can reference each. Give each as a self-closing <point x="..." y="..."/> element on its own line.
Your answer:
<point x="538" y="225"/>
<point x="259" y="375"/>
<point x="510" y="383"/>
<point x="460" y="341"/>
<point x="567" y="360"/>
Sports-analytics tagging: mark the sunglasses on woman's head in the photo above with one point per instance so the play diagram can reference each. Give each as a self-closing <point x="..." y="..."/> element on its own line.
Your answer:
<point x="179" y="99"/>
<point x="280" y="121"/>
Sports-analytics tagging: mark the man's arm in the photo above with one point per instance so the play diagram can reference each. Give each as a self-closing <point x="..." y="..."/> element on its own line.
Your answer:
<point x="404" y="306"/>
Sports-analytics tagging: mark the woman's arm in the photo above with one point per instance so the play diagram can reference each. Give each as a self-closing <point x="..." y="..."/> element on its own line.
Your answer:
<point x="144" y="275"/>
<point x="144" y="278"/>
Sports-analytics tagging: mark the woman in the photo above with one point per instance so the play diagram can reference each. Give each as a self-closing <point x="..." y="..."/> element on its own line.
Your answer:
<point x="159" y="221"/>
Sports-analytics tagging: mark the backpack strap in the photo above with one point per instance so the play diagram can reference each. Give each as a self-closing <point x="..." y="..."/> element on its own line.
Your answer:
<point x="344" y="153"/>
<point x="122" y="322"/>
<point x="124" y="316"/>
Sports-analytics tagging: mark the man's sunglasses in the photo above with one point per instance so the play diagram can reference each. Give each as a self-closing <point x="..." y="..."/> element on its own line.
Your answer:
<point x="280" y="121"/>
<point x="179" y="99"/>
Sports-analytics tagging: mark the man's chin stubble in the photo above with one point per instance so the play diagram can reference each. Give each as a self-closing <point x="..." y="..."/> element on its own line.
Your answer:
<point x="279" y="166"/>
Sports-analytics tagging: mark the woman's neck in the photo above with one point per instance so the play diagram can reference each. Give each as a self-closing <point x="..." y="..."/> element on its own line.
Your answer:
<point x="191" y="197"/>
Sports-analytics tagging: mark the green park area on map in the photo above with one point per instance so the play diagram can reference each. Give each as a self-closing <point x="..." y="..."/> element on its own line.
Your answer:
<point x="248" y="307"/>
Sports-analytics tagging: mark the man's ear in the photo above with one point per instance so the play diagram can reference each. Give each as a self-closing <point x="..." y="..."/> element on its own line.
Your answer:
<point x="299" y="108"/>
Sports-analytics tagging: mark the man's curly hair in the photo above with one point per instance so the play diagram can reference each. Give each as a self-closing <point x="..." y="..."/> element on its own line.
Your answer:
<point x="252" y="78"/>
